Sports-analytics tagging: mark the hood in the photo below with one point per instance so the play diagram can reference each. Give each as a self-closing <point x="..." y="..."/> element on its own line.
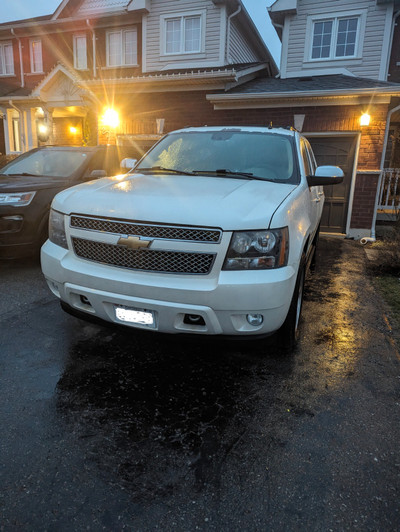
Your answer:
<point x="23" y="183"/>
<point x="185" y="200"/>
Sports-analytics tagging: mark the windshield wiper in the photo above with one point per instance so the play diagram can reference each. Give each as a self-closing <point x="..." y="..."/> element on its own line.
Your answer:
<point x="163" y="169"/>
<point x="22" y="174"/>
<point x="231" y="173"/>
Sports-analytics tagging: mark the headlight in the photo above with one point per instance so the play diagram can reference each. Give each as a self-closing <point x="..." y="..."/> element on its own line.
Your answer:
<point x="258" y="250"/>
<point x="17" y="199"/>
<point x="57" y="229"/>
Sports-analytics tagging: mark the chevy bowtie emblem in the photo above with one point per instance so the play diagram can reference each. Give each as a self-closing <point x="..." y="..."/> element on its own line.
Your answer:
<point x="133" y="242"/>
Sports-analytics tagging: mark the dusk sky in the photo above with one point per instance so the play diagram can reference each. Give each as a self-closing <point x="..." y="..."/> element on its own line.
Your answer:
<point x="20" y="9"/>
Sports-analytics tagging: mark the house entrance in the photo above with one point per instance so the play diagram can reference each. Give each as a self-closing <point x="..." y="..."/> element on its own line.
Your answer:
<point x="336" y="151"/>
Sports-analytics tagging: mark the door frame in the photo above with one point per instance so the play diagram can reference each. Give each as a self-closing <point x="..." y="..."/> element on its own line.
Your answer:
<point x="356" y="134"/>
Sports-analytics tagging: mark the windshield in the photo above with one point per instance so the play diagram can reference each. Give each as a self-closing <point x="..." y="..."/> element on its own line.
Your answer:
<point x="54" y="163"/>
<point x="246" y="154"/>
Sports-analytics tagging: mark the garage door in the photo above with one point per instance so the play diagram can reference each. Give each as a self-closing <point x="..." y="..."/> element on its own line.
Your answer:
<point x="337" y="151"/>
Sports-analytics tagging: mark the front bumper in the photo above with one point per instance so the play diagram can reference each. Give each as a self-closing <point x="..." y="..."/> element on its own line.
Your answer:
<point x="222" y="302"/>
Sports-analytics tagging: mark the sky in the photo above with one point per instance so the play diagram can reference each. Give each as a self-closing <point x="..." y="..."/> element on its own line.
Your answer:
<point x="20" y="9"/>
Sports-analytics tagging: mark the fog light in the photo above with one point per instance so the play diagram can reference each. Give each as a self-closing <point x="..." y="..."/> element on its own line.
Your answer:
<point x="255" y="319"/>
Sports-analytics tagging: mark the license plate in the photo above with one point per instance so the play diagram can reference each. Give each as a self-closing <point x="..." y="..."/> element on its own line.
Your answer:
<point x="136" y="316"/>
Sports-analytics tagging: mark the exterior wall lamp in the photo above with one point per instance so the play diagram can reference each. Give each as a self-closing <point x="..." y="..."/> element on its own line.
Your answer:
<point x="43" y="130"/>
<point x="365" y="119"/>
<point x="110" y="118"/>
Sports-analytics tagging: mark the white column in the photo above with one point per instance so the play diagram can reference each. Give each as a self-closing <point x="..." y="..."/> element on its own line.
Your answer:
<point x="3" y="111"/>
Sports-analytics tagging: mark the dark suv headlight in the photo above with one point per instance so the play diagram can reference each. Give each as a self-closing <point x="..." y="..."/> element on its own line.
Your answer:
<point x="258" y="250"/>
<point x="57" y="229"/>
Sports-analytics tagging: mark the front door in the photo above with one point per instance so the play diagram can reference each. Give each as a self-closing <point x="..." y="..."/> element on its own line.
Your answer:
<point x="336" y="151"/>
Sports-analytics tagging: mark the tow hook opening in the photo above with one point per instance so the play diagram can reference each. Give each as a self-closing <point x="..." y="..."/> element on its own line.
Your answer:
<point x="85" y="300"/>
<point x="194" y="319"/>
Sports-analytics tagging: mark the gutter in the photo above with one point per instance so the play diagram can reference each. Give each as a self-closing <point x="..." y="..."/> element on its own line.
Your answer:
<point x="395" y="16"/>
<point x="38" y="24"/>
<point x="228" y="38"/>
<point x="391" y="91"/>
<point x="21" y="64"/>
<point x="206" y="75"/>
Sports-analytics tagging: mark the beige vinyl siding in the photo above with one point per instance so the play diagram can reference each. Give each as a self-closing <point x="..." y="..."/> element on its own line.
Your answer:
<point x="239" y="49"/>
<point x="154" y="60"/>
<point x="366" y="66"/>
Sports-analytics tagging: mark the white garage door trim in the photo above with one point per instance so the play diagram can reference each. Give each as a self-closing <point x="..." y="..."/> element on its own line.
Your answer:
<point x="356" y="134"/>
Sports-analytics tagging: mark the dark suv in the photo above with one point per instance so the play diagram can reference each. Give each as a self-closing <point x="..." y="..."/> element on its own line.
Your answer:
<point x="29" y="183"/>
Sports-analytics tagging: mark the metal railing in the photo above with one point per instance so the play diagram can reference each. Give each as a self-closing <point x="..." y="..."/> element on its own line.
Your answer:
<point x="389" y="193"/>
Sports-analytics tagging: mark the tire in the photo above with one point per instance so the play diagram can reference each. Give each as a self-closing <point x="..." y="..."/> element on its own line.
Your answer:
<point x="288" y="334"/>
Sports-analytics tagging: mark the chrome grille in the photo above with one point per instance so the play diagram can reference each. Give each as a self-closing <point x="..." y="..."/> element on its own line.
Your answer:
<point x="144" y="259"/>
<point x="169" y="232"/>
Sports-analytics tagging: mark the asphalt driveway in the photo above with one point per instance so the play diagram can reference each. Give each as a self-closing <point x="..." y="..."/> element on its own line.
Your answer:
<point x="105" y="429"/>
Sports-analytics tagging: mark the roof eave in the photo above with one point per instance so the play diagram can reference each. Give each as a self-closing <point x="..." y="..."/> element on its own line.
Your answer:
<point x="391" y="91"/>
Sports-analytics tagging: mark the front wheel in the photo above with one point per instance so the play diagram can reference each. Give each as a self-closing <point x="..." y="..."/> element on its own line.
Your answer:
<point x="288" y="334"/>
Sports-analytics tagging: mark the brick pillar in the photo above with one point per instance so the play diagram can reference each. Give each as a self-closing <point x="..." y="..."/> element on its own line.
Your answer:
<point x="363" y="203"/>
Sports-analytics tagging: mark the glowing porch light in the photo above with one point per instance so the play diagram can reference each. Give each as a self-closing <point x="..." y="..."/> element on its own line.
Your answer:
<point x="110" y="118"/>
<point x="43" y="129"/>
<point x="365" y="119"/>
<point x="73" y="130"/>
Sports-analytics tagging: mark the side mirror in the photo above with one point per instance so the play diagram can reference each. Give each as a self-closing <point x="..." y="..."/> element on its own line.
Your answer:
<point x="128" y="163"/>
<point x="326" y="175"/>
<point x="95" y="174"/>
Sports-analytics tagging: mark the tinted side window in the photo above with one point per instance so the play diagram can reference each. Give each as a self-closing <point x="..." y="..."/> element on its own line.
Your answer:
<point x="313" y="163"/>
<point x="305" y="157"/>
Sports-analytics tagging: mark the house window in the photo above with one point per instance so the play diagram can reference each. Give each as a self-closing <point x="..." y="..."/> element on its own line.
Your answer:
<point x="183" y="33"/>
<point x="335" y="38"/>
<point x="122" y="48"/>
<point x="6" y="59"/>
<point x="80" y="52"/>
<point x="36" y="55"/>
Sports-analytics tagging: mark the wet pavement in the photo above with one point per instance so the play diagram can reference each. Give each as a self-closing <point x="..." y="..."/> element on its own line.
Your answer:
<point x="105" y="429"/>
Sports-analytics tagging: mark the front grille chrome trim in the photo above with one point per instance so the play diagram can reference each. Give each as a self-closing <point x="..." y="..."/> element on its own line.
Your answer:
<point x="147" y="230"/>
<point x="147" y="260"/>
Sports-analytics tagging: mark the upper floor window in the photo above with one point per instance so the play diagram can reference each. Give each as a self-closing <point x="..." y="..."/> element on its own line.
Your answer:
<point x="6" y="59"/>
<point x="335" y="37"/>
<point x="36" y="55"/>
<point x="182" y="34"/>
<point x="80" y="52"/>
<point x="122" y="47"/>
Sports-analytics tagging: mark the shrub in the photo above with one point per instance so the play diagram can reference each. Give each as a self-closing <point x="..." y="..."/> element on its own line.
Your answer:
<point x="389" y="252"/>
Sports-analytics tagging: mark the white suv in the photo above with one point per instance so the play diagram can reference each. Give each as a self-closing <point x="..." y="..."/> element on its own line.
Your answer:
<point x="211" y="233"/>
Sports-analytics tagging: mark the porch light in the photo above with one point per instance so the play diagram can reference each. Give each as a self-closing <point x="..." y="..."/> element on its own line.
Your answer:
<point x="110" y="118"/>
<point x="365" y="119"/>
<point x="43" y="129"/>
<point x="73" y="130"/>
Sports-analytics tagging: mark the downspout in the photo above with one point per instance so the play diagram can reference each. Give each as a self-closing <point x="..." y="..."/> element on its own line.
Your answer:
<point x="391" y="42"/>
<point x="93" y="46"/>
<point x="281" y="27"/>
<point x="21" y="121"/>
<point x="228" y="38"/>
<point x="21" y="64"/>
<point x="365" y="240"/>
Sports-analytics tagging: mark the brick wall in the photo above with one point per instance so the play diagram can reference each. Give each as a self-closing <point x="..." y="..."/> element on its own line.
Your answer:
<point x="62" y="134"/>
<point x="364" y="200"/>
<point x="191" y="109"/>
